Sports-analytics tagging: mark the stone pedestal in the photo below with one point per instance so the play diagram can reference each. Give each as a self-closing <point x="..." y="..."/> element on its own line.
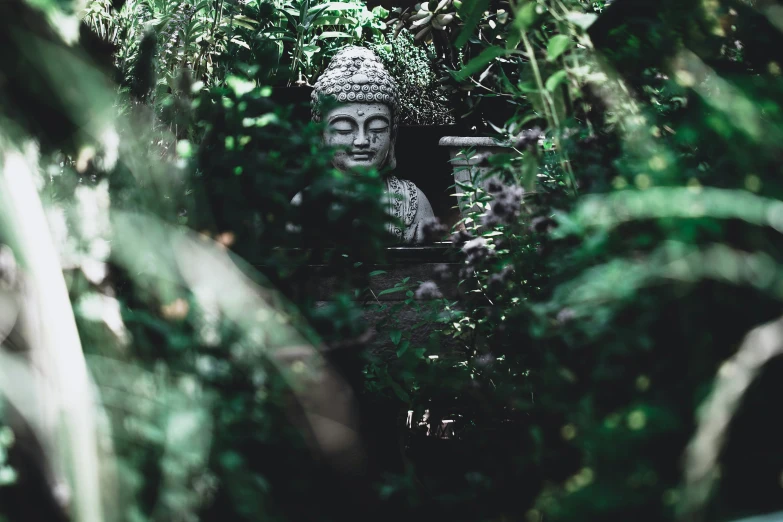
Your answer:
<point x="471" y="171"/>
<point x="321" y="282"/>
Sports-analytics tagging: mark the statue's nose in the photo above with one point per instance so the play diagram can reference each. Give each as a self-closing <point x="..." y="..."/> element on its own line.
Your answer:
<point x="362" y="140"/>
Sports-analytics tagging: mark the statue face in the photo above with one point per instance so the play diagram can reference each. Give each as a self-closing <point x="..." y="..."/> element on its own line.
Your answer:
<point x="361" y="132"/>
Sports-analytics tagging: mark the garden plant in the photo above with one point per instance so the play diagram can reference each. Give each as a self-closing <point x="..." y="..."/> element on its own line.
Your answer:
<point x="611" y="347"/>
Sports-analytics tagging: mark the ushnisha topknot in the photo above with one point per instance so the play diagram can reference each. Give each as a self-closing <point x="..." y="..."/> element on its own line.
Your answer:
<point x="356" y="74"/>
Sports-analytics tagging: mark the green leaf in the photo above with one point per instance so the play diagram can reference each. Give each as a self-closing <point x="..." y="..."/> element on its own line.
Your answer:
<point x="242" y="23"/>
<point x="402" y="394"/>
<point x="343" y="6"/>
<point x="334" y="34"/>
<point x="379" y="12"/>
<point x="527" y="87"/>
<point x="513" y="39"/>
<point x="529" y="172"/>
<point x="583" y="20"/>
<point x="395" y="336"/>
<point x="557" y="45"/>
<point x="478" y="63"/>
<point x="403" y="348"/>
<point x="273" y="30"/>
<point x="391" y="290"/>
<point x="239" y="85"/>
<point x="526" y="16"/>
<point x="310" y="50"/>
<point x="555" y="80"/>
<point x="333" y="20"/>
<point x="471" y="12"/>
<point x="240" y="42"/>
<point x="312" y="14"/>
<point x="377" y="273"/>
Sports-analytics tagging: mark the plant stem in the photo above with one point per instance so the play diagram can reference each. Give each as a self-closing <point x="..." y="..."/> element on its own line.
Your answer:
<point x="550" y="112"/>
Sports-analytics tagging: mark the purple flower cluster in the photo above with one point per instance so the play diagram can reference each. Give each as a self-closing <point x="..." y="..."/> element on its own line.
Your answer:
<point x="460" y="237"/>
<point x="433" y="229"/>
<point x="506" y="204"/>
<point x="496" y="281"/>
<point x="529" y="138"/>
<point x="428" y="290"/>
<point x="442" y="272"/>
<point x="566" y="315"/>
<point x="542" y="224"/>
<point x="475" y="251"/>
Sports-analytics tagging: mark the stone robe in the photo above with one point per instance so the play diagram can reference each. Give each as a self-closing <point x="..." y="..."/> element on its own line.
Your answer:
<point x="410" y="206"/>
<point x="406" y="203"/>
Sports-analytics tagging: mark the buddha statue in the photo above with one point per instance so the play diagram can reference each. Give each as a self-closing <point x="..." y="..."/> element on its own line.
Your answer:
<point x="362" y="127"/>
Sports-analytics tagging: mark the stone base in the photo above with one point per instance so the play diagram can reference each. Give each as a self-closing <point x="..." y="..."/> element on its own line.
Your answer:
<point x="321" y="283"/>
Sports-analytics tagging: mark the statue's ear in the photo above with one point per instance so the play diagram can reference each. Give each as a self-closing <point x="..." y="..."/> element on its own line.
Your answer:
<point x="391" y="158"/>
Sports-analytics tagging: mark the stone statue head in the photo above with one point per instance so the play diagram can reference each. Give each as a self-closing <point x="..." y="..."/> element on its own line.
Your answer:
<point x="363" y="125"/>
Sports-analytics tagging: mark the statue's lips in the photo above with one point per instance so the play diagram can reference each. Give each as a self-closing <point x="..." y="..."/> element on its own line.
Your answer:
<point x="362" y="156"/>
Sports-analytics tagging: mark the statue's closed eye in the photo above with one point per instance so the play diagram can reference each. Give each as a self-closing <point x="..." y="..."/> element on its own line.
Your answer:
<point x="341" y="126"/>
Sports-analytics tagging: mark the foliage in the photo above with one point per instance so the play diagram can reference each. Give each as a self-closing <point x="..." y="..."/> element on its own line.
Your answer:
<point x="616" y="255"/>
<point x="316" y="31"/>
<point x="152" y="334"/>
<point x="588" y="310"/>
<point x="449" y="27"/>
<point x="421" y="101"/>
<point x="212" y="40"/>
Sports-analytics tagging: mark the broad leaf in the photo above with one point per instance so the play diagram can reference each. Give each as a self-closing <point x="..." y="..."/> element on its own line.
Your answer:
<point x="513" y="39"/>
<point x="379" y="12"/>
<point x="583" y="20"/>
<point x="526" y="16"/>
<point x="333" y="20"/>
<point x="313" y="14"/>
<point x="395" y="336"/>
<point x="334" y="34"/>
<point x="239" y="85"/>
<point x="555" y="80"/>
<point x="557" y="45"/>
<point x="478" y="63"/>
<point x="291" y="17"/>
<point x="273" y="30"/>
<point x="240" y="42"/>
<point x="343" y="6"/>
<point x="392" y="290"/>
<point x="471" y="12"/>
<point x="529" y="172"/>
<point x="245" y="25"/>
<point x="401" y="393"/>
<point x="243" y="21"/>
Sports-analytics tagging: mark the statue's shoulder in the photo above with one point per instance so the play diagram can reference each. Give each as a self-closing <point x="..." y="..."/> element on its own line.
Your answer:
<point x="400" y="185"/>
